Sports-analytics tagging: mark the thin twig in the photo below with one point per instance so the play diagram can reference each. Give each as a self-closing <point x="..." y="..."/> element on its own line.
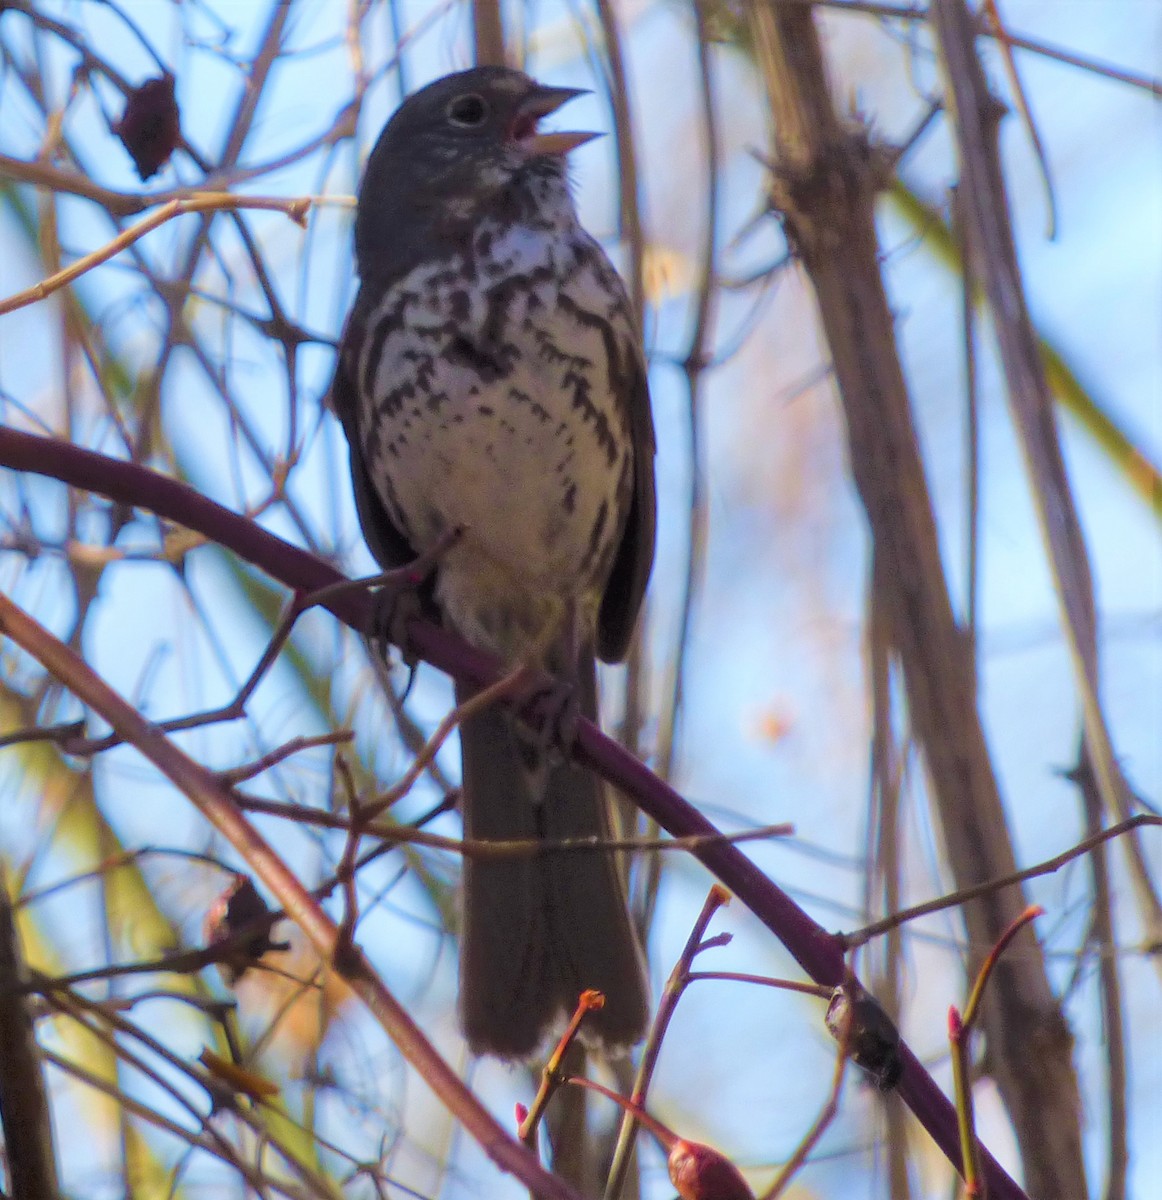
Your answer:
<point x="490" y="850"/>
<point x="675" y="986"/>
<point x="819" y="1126"/>
<point x="786" y="985"/>
<point x="199" y="203"/>
<point x="281" y="753"/>
<point x="959" y="898"/>
<point x="1109" y="977"/>
<point x="551" y="1076"/>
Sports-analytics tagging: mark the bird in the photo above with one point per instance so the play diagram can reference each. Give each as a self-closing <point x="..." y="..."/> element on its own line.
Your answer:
<point x="491" y="383"/>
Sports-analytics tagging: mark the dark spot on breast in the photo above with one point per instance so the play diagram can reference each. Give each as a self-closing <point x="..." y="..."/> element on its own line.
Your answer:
<point x="594" y="548"/>
<point x="485" y="360"/>
<point x="569" y="499"/>
<point x="459" y="305"/>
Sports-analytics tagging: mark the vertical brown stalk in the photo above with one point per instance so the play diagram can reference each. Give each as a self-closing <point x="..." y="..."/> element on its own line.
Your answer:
<point x="488" y="33"/>
<point x="24" y="1113"/>
<point x="825" y="179"/>
<point x="986" y="215"/>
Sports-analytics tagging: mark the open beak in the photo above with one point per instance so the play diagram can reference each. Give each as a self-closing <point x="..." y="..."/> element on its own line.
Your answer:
<point x="540" y="102"/>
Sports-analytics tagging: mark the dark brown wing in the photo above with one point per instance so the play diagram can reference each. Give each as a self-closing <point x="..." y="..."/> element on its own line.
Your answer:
<point x="635" y="555"/>
<point x="386" y="541"/>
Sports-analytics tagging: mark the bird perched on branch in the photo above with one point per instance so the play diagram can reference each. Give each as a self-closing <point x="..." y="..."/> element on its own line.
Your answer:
<point x="491" y="380"/>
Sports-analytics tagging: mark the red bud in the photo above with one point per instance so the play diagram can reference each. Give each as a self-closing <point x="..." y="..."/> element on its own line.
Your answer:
<point x="700" y="1173"/>
<point x="150" y="126"/>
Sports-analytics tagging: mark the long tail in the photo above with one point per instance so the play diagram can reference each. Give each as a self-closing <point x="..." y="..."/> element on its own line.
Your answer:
<point x="540" y="929"/>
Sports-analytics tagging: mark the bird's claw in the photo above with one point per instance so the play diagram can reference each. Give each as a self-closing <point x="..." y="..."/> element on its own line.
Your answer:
<point x="395" y="606"/>
<point x="398" y="599"/>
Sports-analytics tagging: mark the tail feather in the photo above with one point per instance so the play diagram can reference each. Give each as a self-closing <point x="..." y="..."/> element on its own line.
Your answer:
<point x="540" y="929"/>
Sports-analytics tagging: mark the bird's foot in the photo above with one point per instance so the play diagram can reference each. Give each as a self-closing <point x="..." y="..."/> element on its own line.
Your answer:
<point x="398" y="598"/>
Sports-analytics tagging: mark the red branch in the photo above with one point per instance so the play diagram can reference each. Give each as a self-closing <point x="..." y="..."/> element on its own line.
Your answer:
<point x="818" y="952"/>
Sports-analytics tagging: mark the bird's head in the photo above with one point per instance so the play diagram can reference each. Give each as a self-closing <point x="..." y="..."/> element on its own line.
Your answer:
<point x="459" y="148"/>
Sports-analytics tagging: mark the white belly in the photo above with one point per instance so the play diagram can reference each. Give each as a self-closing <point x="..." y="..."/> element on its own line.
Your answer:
<point x="494" y="413"/>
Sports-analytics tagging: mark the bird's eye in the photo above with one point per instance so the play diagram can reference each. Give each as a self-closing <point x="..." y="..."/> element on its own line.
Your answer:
<point x="468" y="111"/>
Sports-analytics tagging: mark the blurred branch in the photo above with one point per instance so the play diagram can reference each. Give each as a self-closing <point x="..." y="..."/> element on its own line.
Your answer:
<point x="694" y="367"/>
<point x="630" y="224"/>
<point x="238" y="129"/>
<point x="824" y="180"/>
<point x="968" y="299"/>
<point x="24" y="1112"/>
<point x="885" y="850"/>
<point x="990" y="13"/>
<point x="629" y="227"/>
<point x="1139" y="473"/>
<point x="46" y="175"/>
<point x="72" y="183"/>
<point x="488" y="33"/>
<point x="977" y="118"/>
<point x="1109" y="975"/>
<point x="1083" y="62"/>
<point x="261" y="1182"/>
<point x="920" y="12"/>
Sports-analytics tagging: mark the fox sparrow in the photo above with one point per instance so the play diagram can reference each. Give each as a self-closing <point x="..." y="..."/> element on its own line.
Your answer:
<point x="490" y="379"/>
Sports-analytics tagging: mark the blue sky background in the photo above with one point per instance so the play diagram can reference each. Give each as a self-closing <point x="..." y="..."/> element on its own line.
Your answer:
<point x="778" y="636"/>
